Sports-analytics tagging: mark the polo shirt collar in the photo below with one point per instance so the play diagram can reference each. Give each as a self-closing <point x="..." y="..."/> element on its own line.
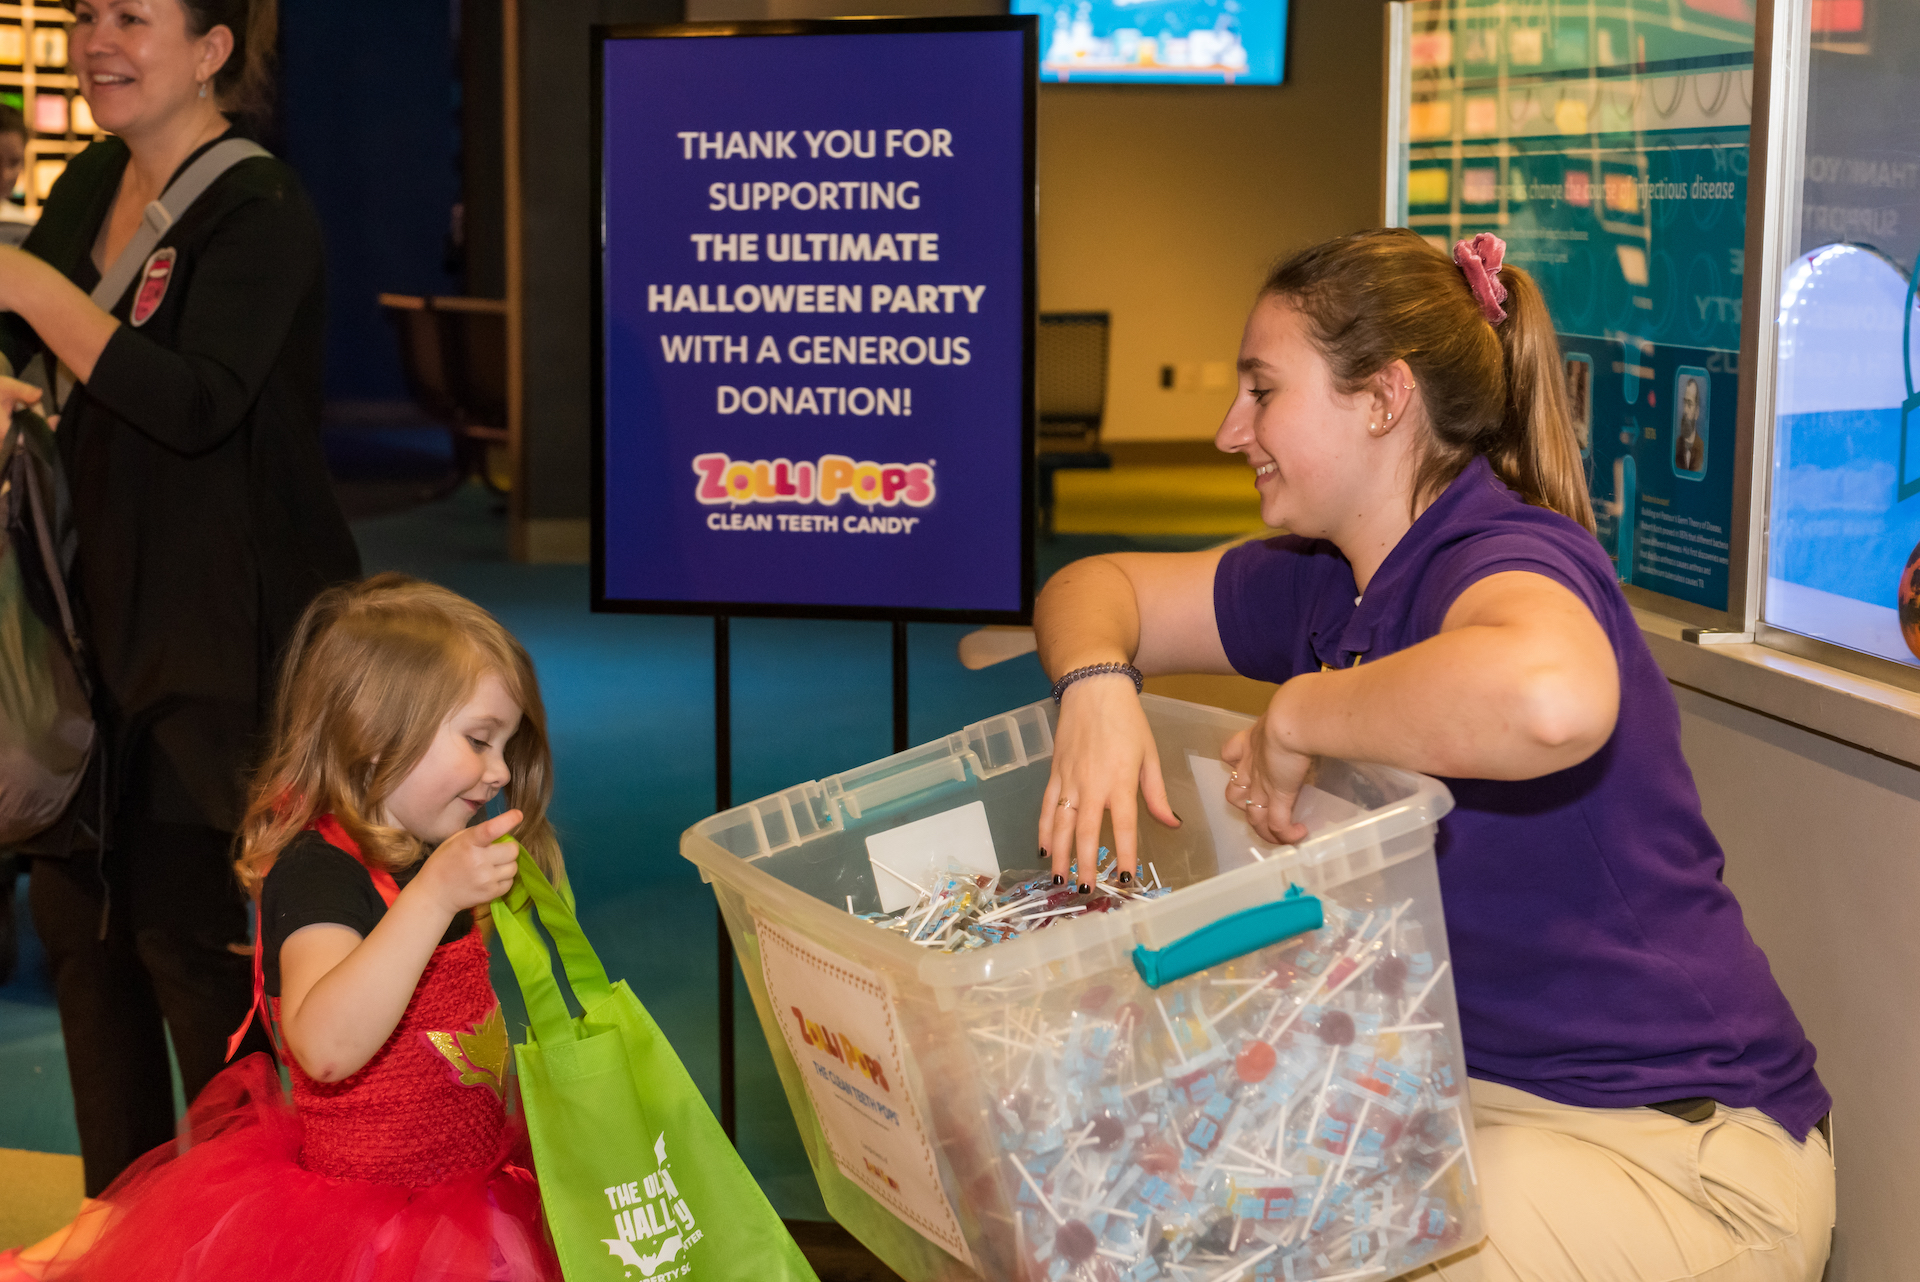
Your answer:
<point x="1379" y="618"/>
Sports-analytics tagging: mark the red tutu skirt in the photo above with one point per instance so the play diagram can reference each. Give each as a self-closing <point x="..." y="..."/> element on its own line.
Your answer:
<point x="231" y="1201"/>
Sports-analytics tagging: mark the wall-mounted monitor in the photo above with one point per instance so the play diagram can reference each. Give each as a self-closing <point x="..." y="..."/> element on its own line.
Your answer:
<point x="1164" y="42"/>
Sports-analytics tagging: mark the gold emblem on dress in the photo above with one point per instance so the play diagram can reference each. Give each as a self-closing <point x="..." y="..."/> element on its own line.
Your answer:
<point x="479" y="1056"/>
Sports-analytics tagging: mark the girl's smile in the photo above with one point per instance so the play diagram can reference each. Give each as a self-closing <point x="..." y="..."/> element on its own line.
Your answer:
<point x="463" y="768"/>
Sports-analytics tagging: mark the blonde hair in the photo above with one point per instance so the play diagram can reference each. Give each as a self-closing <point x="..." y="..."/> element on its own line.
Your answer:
<point x="372" y="672"/>
<point x="1379" y="296"/>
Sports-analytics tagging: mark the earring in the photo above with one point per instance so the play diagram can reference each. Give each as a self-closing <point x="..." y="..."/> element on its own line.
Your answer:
<point x="203" y="88"/>
<point x="1389" y="418"/>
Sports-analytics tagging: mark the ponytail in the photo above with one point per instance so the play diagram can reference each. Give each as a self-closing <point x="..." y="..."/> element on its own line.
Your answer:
<point x="1539" y="454"/>
<point x="1489" y="387"/>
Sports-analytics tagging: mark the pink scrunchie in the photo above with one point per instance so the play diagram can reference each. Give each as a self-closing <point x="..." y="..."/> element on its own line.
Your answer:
<point x="1480" y="259"/>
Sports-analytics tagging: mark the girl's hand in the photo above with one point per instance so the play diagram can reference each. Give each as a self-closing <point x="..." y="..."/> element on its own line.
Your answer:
<point x="1267" y="778"/>
<point x="14" y="394"/>
<point x="1102" y="751"/>
<point x="469" y="869"/>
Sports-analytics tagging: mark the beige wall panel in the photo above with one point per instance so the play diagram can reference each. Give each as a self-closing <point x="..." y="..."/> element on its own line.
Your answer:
<point x="1165" y="205"/>
<point x="1823" y="849"/>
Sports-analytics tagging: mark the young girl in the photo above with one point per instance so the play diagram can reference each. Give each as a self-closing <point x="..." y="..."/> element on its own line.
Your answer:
<point x="1645" y="1100"/>
<point x="403" y="710"/>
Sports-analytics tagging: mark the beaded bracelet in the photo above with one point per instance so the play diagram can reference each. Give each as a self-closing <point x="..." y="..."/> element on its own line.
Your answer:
<point x="1097" y="670"/>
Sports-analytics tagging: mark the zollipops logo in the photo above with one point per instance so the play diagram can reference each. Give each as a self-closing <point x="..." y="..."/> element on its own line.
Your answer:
<point x="652" y="1224"/>
<point x="833" y="477"/>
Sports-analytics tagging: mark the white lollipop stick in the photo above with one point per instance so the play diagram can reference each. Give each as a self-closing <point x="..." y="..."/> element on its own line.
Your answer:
<point x="1414" y="1005"/>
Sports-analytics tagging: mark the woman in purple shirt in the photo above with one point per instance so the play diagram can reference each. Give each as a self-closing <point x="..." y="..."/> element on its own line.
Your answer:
<point x="1645" y="1100"/>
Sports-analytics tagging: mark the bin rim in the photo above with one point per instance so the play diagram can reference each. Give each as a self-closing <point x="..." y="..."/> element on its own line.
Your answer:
<point x="1422" y="802"/>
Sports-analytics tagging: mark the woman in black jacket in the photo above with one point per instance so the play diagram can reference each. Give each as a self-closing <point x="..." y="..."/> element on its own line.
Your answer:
<point x="188" y="423"/>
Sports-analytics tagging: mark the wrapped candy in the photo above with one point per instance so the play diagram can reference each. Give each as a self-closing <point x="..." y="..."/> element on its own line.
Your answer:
<point x="964" y="910"/>
<point x="1291" y="1115"/>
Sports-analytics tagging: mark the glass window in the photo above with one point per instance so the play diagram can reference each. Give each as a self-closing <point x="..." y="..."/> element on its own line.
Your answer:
<point x="1842" y="560"/>
<point x="1606" y="142"/>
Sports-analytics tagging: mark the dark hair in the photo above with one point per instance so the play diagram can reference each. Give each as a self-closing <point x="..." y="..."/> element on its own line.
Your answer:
<point x="11" y="122"/>
<point x="244" y="82"/>
<point x="1379" y="296"/>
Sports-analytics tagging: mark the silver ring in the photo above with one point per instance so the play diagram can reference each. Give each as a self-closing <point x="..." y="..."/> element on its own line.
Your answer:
<point x="1067" y="804"/>
<point x="1254" y="805"/>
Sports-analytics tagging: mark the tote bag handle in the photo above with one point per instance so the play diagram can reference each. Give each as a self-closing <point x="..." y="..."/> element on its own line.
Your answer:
<point x="513" y="917"/>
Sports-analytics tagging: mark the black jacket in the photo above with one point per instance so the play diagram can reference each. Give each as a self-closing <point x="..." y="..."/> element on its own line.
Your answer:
<point x="205" y="515"/>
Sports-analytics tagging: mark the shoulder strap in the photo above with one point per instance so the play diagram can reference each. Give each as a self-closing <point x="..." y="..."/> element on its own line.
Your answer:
<point x="164" y="212"/>
<point x="336" y="836"/>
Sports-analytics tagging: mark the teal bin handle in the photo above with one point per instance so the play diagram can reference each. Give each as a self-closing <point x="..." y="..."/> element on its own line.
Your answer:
<point x="1230" y="937"/>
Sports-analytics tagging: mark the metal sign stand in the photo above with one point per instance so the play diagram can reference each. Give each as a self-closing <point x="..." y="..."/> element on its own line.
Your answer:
<point x="723" y="800"/>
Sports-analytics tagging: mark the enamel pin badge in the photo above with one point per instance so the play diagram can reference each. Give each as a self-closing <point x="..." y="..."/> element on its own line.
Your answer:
<point x="154" y="279"/>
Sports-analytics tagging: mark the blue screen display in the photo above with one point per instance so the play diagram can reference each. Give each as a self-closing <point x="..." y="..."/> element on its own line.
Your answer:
<point x="1188" y="42"/>
<point x="816" y="318"/>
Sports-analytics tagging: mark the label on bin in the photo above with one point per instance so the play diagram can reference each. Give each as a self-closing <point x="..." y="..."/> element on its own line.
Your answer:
<point x="837" y="1019"/>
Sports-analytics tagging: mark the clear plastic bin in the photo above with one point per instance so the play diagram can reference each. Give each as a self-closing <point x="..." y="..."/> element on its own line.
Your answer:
<point x="1044" y="1113"/>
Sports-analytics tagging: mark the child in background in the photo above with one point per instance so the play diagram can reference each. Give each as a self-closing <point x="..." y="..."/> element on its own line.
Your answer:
<point x="403" y="710"/>
<point x="15" y="222"/>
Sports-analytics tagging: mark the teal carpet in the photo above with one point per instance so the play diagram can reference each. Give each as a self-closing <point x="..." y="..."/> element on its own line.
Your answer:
<point x="630" y="711"/>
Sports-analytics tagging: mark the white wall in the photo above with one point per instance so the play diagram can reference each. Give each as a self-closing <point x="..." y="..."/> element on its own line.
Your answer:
<point x="1823" y="849"/>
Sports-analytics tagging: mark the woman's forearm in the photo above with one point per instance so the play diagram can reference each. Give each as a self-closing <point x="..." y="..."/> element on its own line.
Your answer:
<point x="1151" y="609"/>
<point x="351" y="1010"/>
<point x="1477" y="702"/>
<point x="71" y="325"/>
<point x="1086" y="614"/>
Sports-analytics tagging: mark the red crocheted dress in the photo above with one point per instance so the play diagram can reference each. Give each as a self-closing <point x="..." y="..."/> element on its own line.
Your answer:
<point x="411" y="1169"/>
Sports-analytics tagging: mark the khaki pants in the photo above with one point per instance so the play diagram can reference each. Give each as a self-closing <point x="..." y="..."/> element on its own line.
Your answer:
<point x="1633" y="1195"/>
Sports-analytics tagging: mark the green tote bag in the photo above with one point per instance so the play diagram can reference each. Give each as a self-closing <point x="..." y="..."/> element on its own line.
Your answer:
<point x="638" y="1181"/>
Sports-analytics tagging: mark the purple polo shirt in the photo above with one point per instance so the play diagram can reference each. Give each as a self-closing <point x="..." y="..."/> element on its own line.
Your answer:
<point x="1599" y="959"/>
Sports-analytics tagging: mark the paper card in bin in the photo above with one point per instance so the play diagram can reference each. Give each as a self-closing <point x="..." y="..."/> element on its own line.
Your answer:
<point x="959" y="838"/>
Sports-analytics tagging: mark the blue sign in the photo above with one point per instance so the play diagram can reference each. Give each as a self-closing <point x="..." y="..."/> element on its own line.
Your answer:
<point x="816" y="311"/>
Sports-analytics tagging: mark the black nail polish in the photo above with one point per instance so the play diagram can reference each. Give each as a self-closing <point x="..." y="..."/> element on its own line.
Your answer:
<point x="1043" y="854"/>
<point x="1085" y="889"/>
<point x="1125" y="876"/>
<point x="1176" y="814"/>
<point x="1058" y="880"/>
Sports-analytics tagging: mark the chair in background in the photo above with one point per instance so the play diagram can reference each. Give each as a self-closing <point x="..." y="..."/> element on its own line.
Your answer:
<point x="422" y="358"/>
<point x="474" y="336"/>
<point x="453" y="358"/>
<point x="1070" y="378"/>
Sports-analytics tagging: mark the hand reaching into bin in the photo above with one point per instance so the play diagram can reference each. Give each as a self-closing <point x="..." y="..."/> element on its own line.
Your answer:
<point x="1267" y="778"/>
<point x="1148" y="612"/>
<point x="1102" y="751"/>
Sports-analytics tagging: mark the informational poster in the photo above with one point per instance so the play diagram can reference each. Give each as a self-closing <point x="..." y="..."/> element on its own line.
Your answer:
<point x="1608" y="147"/>
<point x="816" y="312"/>
<point x="837" y="1019"/>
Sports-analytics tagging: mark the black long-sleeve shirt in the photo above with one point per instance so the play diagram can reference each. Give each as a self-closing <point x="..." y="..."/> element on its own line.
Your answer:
<point x="205" y="516"/>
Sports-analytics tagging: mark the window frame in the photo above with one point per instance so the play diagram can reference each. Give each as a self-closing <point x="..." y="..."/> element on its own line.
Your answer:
<point x="1783" y="37"/>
